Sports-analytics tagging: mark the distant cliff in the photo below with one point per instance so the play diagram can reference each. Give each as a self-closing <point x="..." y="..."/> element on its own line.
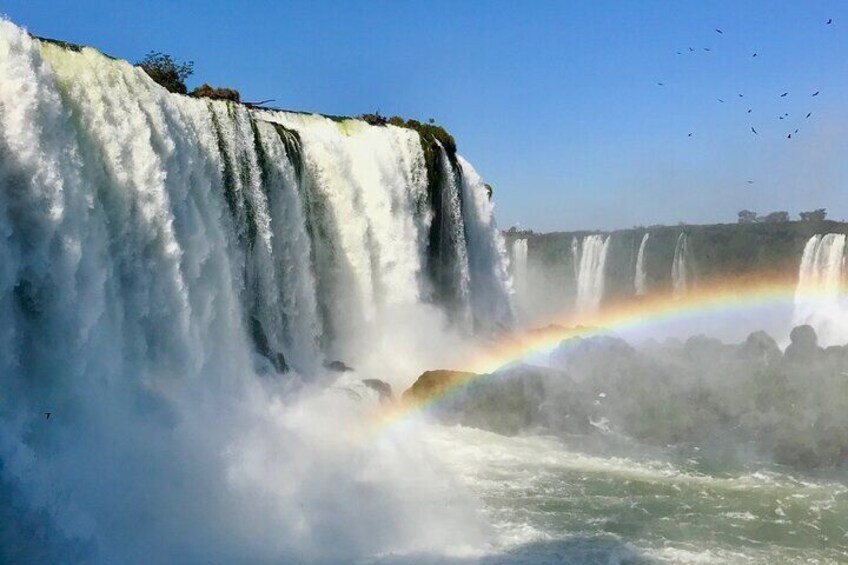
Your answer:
<point x="551" y="262"/>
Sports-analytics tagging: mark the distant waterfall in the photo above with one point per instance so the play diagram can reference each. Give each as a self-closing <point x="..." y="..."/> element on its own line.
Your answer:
<point x="640" y="280"/>
<point x="680" y="268"/>
<point x="519" y="265"/>
<point x="590" y="274"/>
<point x="575" y="257"/>
<point x="820" y="295"/>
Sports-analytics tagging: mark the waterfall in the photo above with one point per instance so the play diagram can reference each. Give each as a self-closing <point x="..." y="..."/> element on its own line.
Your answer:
<point x="519" y="265"/>
<point x="590" y="272"/>
<point x="575" y="257"/>
<point x="680" y="269"/>
<point x="487" y="256"/>
<point x="172" y="271"/>
<point x="640" y="280"/>
<point x="820" y="294"/>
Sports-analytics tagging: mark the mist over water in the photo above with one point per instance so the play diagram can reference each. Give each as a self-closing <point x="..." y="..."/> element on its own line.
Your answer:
<point x="174" y="275"/>
<point x="194" y="291"/>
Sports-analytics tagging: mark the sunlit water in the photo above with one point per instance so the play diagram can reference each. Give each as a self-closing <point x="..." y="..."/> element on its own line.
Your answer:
<point x="553" y="503"/>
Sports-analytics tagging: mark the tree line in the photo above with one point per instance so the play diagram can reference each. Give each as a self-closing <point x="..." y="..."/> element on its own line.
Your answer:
<point x="751" y="217"/>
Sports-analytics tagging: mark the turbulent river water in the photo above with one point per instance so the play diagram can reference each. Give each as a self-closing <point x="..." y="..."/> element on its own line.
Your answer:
<point x="180" y="281"/>
<point x="551" y="501"/>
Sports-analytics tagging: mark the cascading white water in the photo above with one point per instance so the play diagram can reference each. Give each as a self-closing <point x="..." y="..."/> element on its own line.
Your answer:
<point x="591" y="272"/>
<point x="158" y="254"/>
<point x="487" y="257"/>
<point x="820" y="297"/>
<point x="519" y="266"/>
<point x="640" y="280"/>
<point x="680" y="269"/>
<point x="575" y="257"/>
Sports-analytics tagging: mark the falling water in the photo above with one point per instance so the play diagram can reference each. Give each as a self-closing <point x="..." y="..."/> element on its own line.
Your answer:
<point x="487" y="256"/>
<point x="640" y="281"/>
<point x="519" y="266"/>
<point x="680" y="270"/>
<point x="590" y="273"/>
<point x="820" y="295"/>
<point x="159" y="253"/>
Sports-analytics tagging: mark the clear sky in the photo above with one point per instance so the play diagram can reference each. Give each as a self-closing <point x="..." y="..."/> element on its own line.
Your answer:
<point x="556" y="103"/>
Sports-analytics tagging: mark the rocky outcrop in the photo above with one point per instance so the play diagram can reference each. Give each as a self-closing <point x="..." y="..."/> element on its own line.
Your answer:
<point x="432" y="384"/>
<point x="383" y="389"/>
<point x="504" y="402"/>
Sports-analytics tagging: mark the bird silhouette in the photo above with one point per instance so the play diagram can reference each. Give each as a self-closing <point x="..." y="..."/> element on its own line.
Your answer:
<point x="679" y="53"/>
<point x="691" y="49"/>
<point x="706" y="48"/>
<point x="740" y="95"/>
<point x="789" y="136"/>
<point x="750" y="182"/>
<point x="796" y="130"/>
<point x="829" y="21"/>
<point x="749" y="110"/>
<point x="808" y="115"/>
<point x="690" y="135"/>
<point x="754" y="55"/>
<point x="660" y="84"/>
<point x="753" y="130"/>
<point x="816" y="93"/>
<point x="718" y="30"/>
<point x="784" y="95"/>
<point x="720" y="100"/>
<point x="47" y="415"/>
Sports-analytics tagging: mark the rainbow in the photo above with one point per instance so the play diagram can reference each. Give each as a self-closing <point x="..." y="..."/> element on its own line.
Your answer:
<point x="718" y="297"/>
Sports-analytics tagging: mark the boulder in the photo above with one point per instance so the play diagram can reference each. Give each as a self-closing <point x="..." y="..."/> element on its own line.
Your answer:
<point x="383" y="389"/>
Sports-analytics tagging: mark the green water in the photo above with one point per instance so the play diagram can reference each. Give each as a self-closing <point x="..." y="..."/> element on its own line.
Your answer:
<point x="552" y="503"/>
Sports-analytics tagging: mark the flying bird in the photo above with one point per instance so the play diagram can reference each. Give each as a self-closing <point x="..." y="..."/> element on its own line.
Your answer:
<point x="808" y="115"/>
<point x="784" y="95"/>
<point x="789" y="136"/>
<point x="679" y="53"/>
<point x="754" y="55"/>
<point x="749" y="110"/>
<point x="706" y="48"/>
<point x="690" y="135"/>
<point x="829" y="21"/>
<point x="660" y="84"/>
<point x="740" y="95"/>
<point x="796" y="131"/>
<point x="47" y="415"/>
<point x="750" y="182"/>
<point x="816" y="93"/>
<point x="720" y="100"/>
<point x="753" y="130"/>
<point x="718" y="30"/>
<point x="691" y="49"/>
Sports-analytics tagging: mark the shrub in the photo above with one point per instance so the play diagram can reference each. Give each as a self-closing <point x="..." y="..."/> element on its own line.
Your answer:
<point x="817" y="215"/>
<point x="167" y="72"/>
<point x="374" y="119"/>
<point x="206" y="91"/>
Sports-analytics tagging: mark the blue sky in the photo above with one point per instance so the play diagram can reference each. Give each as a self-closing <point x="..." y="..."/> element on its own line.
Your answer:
<point x="556" y="103"/>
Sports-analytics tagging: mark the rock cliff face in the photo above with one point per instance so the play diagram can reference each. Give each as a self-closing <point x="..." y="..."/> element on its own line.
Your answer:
<point x="642" y="261"/>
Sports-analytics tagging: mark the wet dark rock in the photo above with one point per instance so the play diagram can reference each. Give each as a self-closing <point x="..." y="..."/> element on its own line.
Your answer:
<point x="338" y="366"/>
<point x="383" y="389"/>
<point x="504" y="402"/>
<point x="804" y="346"/>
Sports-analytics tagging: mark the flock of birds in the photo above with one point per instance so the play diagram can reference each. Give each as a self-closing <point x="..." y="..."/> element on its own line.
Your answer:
<point x="784" y="116"/>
